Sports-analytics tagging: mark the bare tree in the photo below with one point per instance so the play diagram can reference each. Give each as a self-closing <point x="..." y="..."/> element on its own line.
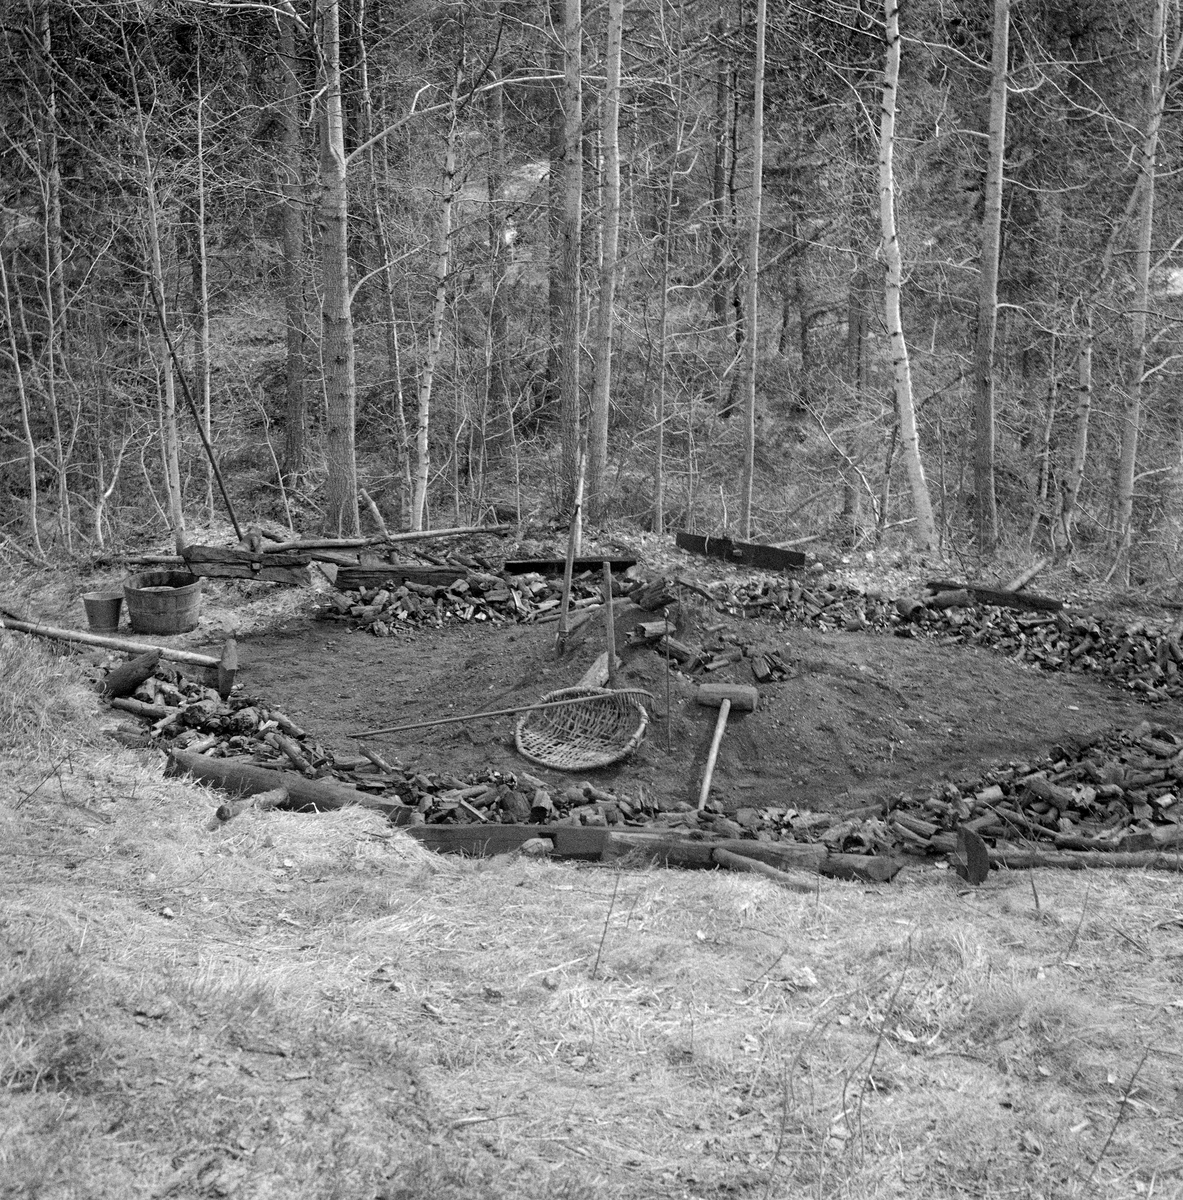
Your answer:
<point x="753" y="268"/>
<point x="602" y="362"/>
<point x="926" y="534"/>
<point x="983" y="372"/>
<point x="341" y="514"/>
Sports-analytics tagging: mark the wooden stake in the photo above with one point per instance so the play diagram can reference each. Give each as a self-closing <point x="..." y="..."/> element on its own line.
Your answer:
<point x="572" y="547"/>
<point x="611" y="626"/>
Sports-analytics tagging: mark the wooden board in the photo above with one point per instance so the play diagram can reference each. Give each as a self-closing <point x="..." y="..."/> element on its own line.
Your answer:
<point x="556" y="566"/>
<point x="748" y="554"/>
<point x="570" y="841"/>
<point x="231" y="563"/>
<point x="391" y="575"/>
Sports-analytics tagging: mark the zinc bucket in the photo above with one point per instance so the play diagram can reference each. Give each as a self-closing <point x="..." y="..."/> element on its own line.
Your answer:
<point x="102" y="610"/>
<point x="163" y="601"/>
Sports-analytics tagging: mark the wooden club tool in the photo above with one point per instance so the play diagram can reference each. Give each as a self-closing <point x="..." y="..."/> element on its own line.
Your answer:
<point x="724" y="696"/>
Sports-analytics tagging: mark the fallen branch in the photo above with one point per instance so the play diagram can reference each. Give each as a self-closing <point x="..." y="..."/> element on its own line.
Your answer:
<point x="737" y="862"/>
<point x="414" y="536"/>
<point x="263" y="801"/>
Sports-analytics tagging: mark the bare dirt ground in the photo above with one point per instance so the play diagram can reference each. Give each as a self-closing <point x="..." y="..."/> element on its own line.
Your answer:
<point x="864" y="716"/>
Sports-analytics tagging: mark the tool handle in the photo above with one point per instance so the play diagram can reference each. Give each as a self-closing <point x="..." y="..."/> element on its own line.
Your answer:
<point x="720" y="726"/>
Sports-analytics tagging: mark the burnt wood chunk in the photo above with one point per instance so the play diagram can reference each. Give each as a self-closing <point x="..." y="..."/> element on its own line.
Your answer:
<point x="124" y="679"/>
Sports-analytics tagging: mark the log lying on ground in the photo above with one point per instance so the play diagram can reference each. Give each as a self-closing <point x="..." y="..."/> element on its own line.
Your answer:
<point x="667" y="849"/>
<point x="1022" y="601"/>
<point x="416" y="536"/>
<point x="1019" y="858"/>
<point x="245" y="779"/>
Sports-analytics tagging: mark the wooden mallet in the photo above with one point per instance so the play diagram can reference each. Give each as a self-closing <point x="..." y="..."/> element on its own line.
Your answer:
<point x="723" y="696"/>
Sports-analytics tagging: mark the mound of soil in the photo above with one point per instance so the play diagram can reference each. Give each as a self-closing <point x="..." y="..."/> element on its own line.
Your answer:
<point x="860" y="717"/>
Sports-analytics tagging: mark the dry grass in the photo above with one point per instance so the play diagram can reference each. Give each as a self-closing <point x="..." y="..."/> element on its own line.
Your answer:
<point x="312" y="1006"/>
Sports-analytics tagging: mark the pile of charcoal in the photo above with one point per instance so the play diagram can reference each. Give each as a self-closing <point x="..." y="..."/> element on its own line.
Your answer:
<point x="1141" y="655"/>
<point x="474" y="596"/>
<point x="1119" y="791"/>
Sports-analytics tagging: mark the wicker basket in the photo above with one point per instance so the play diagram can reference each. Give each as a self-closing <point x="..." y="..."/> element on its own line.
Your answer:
<point x="576" y="737"/>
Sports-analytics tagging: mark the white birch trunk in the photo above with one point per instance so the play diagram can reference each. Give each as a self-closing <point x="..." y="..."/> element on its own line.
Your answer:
<point x="341" y="514"/>
<point x="983" y="368"/>
<point x="1132" y="408"/>
<point x="443" y="245"/>
<point x="926" y="534"/>
<point x="602" y="365"/>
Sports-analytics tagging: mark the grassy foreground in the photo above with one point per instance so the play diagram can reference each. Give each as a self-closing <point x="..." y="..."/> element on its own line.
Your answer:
<point x="312" y="1006"/>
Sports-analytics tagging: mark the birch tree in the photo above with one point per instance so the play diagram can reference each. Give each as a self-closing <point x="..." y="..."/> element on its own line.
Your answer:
<point x="341" y="514"/>
<point x="926" y="535"/>
<point x="569" y="297"/>
<point x="435" y="332"/>
<point x="983" y="368"/>
<point x="1132" y="408"/>
<point x="602" y="364"/>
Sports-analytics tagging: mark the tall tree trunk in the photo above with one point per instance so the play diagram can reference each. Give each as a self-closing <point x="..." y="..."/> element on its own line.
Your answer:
<point x="23" y="397"/>
<point x="200" y="273"/>
<point x="158" y="289"/>
<point x="1132" y="409"/>
<point x="55" y="279"/>
<point x="719" y="183"/>
<point x="926" y="534"/>
<point x="987" y="505"/>
<point x="1081" y="412"/>
<point x="498" y="416"/>
<point x="602" y="364"/>
<point x="569" y="401"/>
<point x="556" y="184"/>
<point x="341" y="515"/>
<point x="295" y="428"/>
<point x="753" y="272"/>
<point x="443" y="246"/>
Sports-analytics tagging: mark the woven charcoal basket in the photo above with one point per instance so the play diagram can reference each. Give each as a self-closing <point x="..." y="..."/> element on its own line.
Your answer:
<point x="576" y="737"/>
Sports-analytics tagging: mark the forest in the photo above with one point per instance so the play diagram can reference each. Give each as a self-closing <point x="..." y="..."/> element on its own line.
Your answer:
<point x="902" y="274"/>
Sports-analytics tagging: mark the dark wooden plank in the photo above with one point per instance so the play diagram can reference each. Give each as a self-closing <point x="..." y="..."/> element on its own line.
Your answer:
<point x="234" y="555"/>
<point x="749" y="554"/>
<point x="480" y="841"/>
<point x="555" y="566"/>
<point x="224" y="562"/>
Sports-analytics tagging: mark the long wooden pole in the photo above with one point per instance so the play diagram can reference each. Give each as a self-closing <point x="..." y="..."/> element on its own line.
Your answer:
<point x="416" y="535"/>
<point x="109" y="643"/>
<point x="497" y="712"/>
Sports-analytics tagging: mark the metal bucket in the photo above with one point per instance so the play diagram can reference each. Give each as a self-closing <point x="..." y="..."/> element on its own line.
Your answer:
<point x="163" y="601"/>
<point x="102" y="610"/>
